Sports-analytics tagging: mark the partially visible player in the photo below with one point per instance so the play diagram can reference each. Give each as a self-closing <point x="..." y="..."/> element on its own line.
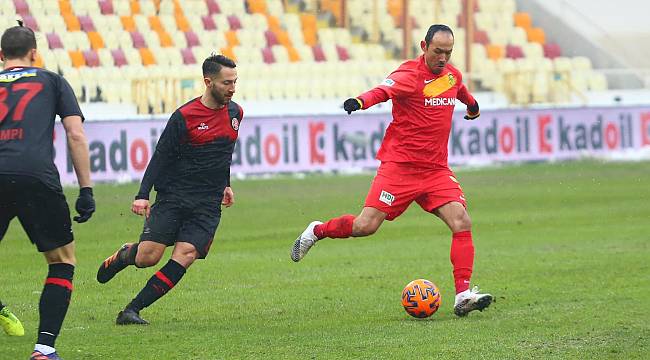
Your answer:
<point x="9" y="322"/>
<point x="30" y="189"/>
<point x="413" y="159"/>
<point x="190" y="171"/>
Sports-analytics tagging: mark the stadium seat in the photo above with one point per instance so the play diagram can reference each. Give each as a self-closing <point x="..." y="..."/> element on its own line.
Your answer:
<point x="147" y="56"/>
<point x="192" y="39"/>
<point x="536" y="35"/>
<point x="188" y="56"/>
<point x="91" y="58"/>
<point x="552" y="50"/>
<point x="106" y="7"/>
<point x="30" y="22"/>
<point x="342" y="53"/>
<point x="208" y="23"/>
<point x="96" y="41"/>
<point x="523" y="20"/>
<point x="514" y="52"/>
<point x="271" y="38"/>
<point x="86" y="23"/>
<point x="267" y="55"/>
<point x="22" y="8"/>
<point x="319" y="54"/>
<point x="119" y="58"/>
<point x="234" y="22"/>
<point x="138" y="40"/>
<point x="77" y="58"/>
<point x="53" y="41"/>
<point x="213" y="7"/>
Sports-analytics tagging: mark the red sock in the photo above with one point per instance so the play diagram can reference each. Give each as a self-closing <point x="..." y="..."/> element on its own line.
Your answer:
<point x="340" y="227"/>
<point x="462" y="258"/>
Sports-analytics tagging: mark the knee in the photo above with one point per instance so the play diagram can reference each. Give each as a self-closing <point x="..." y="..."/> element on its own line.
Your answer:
<point x="185" y="258"/>
<point x="364" y="227"/>
<point x="145" y="258"/>
<point x="462" y="222"/>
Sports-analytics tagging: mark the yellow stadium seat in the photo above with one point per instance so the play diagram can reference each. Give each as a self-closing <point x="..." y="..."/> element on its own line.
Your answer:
<point x="96" y="41"/>
<point x="147" y="57"/>
<point x="523" y="20"/>
<point x="77" y="58"/>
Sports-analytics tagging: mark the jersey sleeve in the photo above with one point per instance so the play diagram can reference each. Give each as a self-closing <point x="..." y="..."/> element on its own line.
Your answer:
<point x="67" y="104"/>
<point x="399" y="83"/>
<point x="166" y="151"/>
<point x="463" y="94"/>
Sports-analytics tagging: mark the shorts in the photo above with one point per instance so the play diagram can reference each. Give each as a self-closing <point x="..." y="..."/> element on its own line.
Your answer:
<point x="183" y="220"/>
<point x="397" y="185"/>
<point x="42" y="211"/>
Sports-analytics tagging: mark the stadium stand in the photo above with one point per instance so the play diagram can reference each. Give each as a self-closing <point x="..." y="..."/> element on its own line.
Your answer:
<point x="285" y="49"/>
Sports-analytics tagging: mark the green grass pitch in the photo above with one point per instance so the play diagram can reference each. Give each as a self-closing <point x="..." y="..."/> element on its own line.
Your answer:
<point x="565" y="249"/>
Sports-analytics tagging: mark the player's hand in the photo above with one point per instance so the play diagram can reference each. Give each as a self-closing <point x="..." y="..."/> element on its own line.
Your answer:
<point x="352" y="104"/>
<point x="141" y="207"/>
<point x="228" y="197"/>
<point x="472" y="112"/>
<point x="85" y="205"/>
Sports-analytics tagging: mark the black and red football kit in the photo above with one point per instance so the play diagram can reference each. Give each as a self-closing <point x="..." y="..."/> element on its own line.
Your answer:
<point x="30" y="188"/>
<point x="189" y="170"/>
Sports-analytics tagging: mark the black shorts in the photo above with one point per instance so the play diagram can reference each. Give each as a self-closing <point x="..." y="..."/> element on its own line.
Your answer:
<point x="42" y="211"/>
<point x="193" y="221"/>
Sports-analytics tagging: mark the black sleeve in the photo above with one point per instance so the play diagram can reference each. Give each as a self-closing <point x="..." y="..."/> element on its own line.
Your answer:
<point x="240" y="115"/>
<point x="67" y="104"/>
<point x="166" y="151"/>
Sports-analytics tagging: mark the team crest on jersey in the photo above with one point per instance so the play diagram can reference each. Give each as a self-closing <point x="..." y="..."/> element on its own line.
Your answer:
<point x="452" y="79"/>
<point x="234" y="122"/>
<point x="386" y="197"/>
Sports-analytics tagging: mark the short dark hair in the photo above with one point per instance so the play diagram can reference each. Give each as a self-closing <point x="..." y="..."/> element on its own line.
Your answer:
<point x="213" y="64"/>
<point x="17" y="41"/>
<point x="433" y="29"/>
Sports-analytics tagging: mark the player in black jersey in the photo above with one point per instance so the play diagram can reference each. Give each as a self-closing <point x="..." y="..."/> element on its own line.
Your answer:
<point x="30" y="189"/>
<point x="190" y="171"/>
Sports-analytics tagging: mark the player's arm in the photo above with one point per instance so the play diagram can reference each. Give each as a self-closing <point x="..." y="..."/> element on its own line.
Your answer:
<point x="78" y="147"/>
<point x="399" y="83"/>
<point x="472" y="105"/>
<point x="166" y="151"/>
<point x="72" y="118"/>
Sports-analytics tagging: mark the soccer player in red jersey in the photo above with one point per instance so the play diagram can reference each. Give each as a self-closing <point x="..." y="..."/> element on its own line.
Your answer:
<point x="413" y="159"/>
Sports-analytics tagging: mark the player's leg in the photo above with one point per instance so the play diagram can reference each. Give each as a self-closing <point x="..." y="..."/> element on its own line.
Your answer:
<point x="55" y="299"/>
<point x="199" y="227"/>
<point x="159" y="231"/>
<point x="367" y="223"/>
<point x="45" y="216"/>
<point x="392" y="191"/>
<point x="444" y="197"/>
<point x="9" y="322"/>
<point x="457" y="219"/>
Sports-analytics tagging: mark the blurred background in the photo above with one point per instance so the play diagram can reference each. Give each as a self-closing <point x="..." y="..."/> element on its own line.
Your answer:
<point x="140" y="59"/>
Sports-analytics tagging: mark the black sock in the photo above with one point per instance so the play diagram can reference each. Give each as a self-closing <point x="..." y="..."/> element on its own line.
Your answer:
<point x="54" y="302"/>
<point x="127" y="255"/>
<point x="1" y="305"/>
<point x="159" y="284"/>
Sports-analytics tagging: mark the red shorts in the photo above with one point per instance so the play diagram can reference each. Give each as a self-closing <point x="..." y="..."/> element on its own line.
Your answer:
<point x="397" y="185"/>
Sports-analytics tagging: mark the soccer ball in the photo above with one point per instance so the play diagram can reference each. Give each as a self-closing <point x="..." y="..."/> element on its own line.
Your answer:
<point x="421" y="298"/>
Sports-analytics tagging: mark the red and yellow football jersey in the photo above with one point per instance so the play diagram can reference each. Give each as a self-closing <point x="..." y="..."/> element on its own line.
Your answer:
<point x="423" y="104"/>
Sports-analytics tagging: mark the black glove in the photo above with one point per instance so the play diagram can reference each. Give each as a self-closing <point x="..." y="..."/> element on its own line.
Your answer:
<point x="352" y="104"/>
<point x="472" y="112"/>
<point x="85" y="205"/>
